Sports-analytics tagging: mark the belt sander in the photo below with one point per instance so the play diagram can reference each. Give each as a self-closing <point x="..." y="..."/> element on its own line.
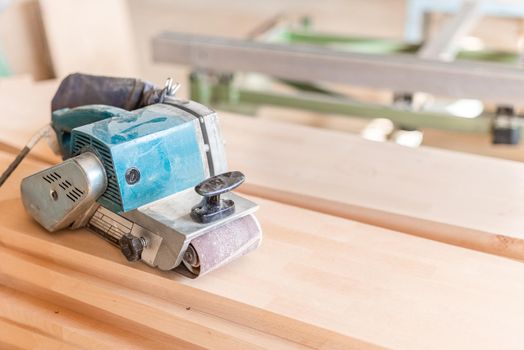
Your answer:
<point x="145" y="171"/>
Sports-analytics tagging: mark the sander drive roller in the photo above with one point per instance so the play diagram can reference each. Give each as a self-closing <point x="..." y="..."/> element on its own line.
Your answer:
<point x="222" y="245"/>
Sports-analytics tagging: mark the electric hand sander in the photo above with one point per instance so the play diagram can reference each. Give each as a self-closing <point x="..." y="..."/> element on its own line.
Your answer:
<point x="145" y="171"/>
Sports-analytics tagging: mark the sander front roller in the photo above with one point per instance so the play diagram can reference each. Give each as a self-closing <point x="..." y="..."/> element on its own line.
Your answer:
<point x="222" y="245"/>
<point x="145" y="171"/>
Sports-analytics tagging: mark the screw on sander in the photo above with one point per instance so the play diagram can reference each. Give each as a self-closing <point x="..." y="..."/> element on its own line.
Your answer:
<point x="132" y="246"/>
<point x="212" y="207"/>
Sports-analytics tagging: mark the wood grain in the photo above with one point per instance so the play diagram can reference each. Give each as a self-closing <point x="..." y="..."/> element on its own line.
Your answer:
<point x="21" y="338"/>
<point x="67" y="326"/>
<point x="317" y="280"/>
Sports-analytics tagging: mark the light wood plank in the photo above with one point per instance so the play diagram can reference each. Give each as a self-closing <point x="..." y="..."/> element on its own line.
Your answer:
<point x="467" y="200"/>
<point x="26" y="108"/>
<point x="134" y="310"/>
<point x="22" y="338"/>
<point x="67" y="326"/>
<point x="246" y="326"/>
<point x="319" y="280"/>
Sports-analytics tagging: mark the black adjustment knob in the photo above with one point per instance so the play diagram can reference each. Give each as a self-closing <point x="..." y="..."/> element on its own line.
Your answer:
<point x="212" y="207"/>
<point x="131" y="247"/>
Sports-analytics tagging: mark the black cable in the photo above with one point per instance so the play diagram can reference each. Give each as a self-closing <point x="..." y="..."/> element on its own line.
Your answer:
<point x="14" y="164"/>
<point x="40" y="134"/>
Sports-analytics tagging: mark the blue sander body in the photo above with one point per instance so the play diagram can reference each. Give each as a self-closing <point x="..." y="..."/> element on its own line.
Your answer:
<point x="148" y="175"/>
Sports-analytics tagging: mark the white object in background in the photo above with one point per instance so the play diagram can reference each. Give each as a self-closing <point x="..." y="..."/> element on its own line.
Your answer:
<point x="466" y="108"/>
<point x="408" y="138"/>
<point x="378" y="130"/>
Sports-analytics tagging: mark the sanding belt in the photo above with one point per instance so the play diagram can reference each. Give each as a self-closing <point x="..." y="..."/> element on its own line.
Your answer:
<point x="205" y="253"/>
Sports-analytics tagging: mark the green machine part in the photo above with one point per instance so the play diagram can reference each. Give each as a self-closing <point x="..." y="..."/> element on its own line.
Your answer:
<point x="226" y="95"/>
<point x="223" y="92"/>
<point x="381" y="46"/>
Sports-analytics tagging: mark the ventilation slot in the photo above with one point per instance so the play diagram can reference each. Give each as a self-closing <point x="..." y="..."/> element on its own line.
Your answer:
<point x="112" y="192"/>
<point x="73" y="199"/>
<point x="65" y="185"/>
<point x="74" y="194"/>
<point x="48" y="178"/>
<point x="77" y="191"/>
<point x="80" y="143"/>
<point x="52" y="177"/>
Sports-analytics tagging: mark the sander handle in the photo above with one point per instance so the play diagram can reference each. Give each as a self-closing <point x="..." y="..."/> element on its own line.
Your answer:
<point x="212" y="207"/>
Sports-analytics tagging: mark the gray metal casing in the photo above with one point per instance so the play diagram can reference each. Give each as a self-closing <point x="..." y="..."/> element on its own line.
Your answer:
<point x="65" y="194"/>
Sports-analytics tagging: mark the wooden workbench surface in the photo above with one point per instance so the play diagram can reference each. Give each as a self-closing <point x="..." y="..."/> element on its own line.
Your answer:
<point x="319" y="280"/>
<point x="463" y="199"/>
<point x="467" y="200"/>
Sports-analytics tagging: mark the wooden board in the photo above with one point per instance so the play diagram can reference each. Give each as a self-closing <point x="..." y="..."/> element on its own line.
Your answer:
<point x="26" y="107"/>
<point x="473" y="143"/>
<point x="317" y="280"/>
<point x="466" y="200"/>
<point x="92" y="37"/>
<point x="58" y="324"/>
<point x="23" y="41"/>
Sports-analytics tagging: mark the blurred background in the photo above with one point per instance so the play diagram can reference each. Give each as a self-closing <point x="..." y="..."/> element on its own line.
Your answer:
<point x="456" y="63"/>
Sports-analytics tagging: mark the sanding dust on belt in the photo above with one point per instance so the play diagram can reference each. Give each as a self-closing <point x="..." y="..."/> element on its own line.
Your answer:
<point x="227" y="242"/>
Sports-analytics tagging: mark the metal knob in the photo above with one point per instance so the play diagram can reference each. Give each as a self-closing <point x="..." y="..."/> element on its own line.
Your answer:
<point x="212" y="207"/>
<point x="131" y="247"/>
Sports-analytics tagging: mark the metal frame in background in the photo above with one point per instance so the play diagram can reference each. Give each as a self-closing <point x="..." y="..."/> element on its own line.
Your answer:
<point x="224" y="94"/>
<point x="222" y="57"/>
<point x="484" y="81"/>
